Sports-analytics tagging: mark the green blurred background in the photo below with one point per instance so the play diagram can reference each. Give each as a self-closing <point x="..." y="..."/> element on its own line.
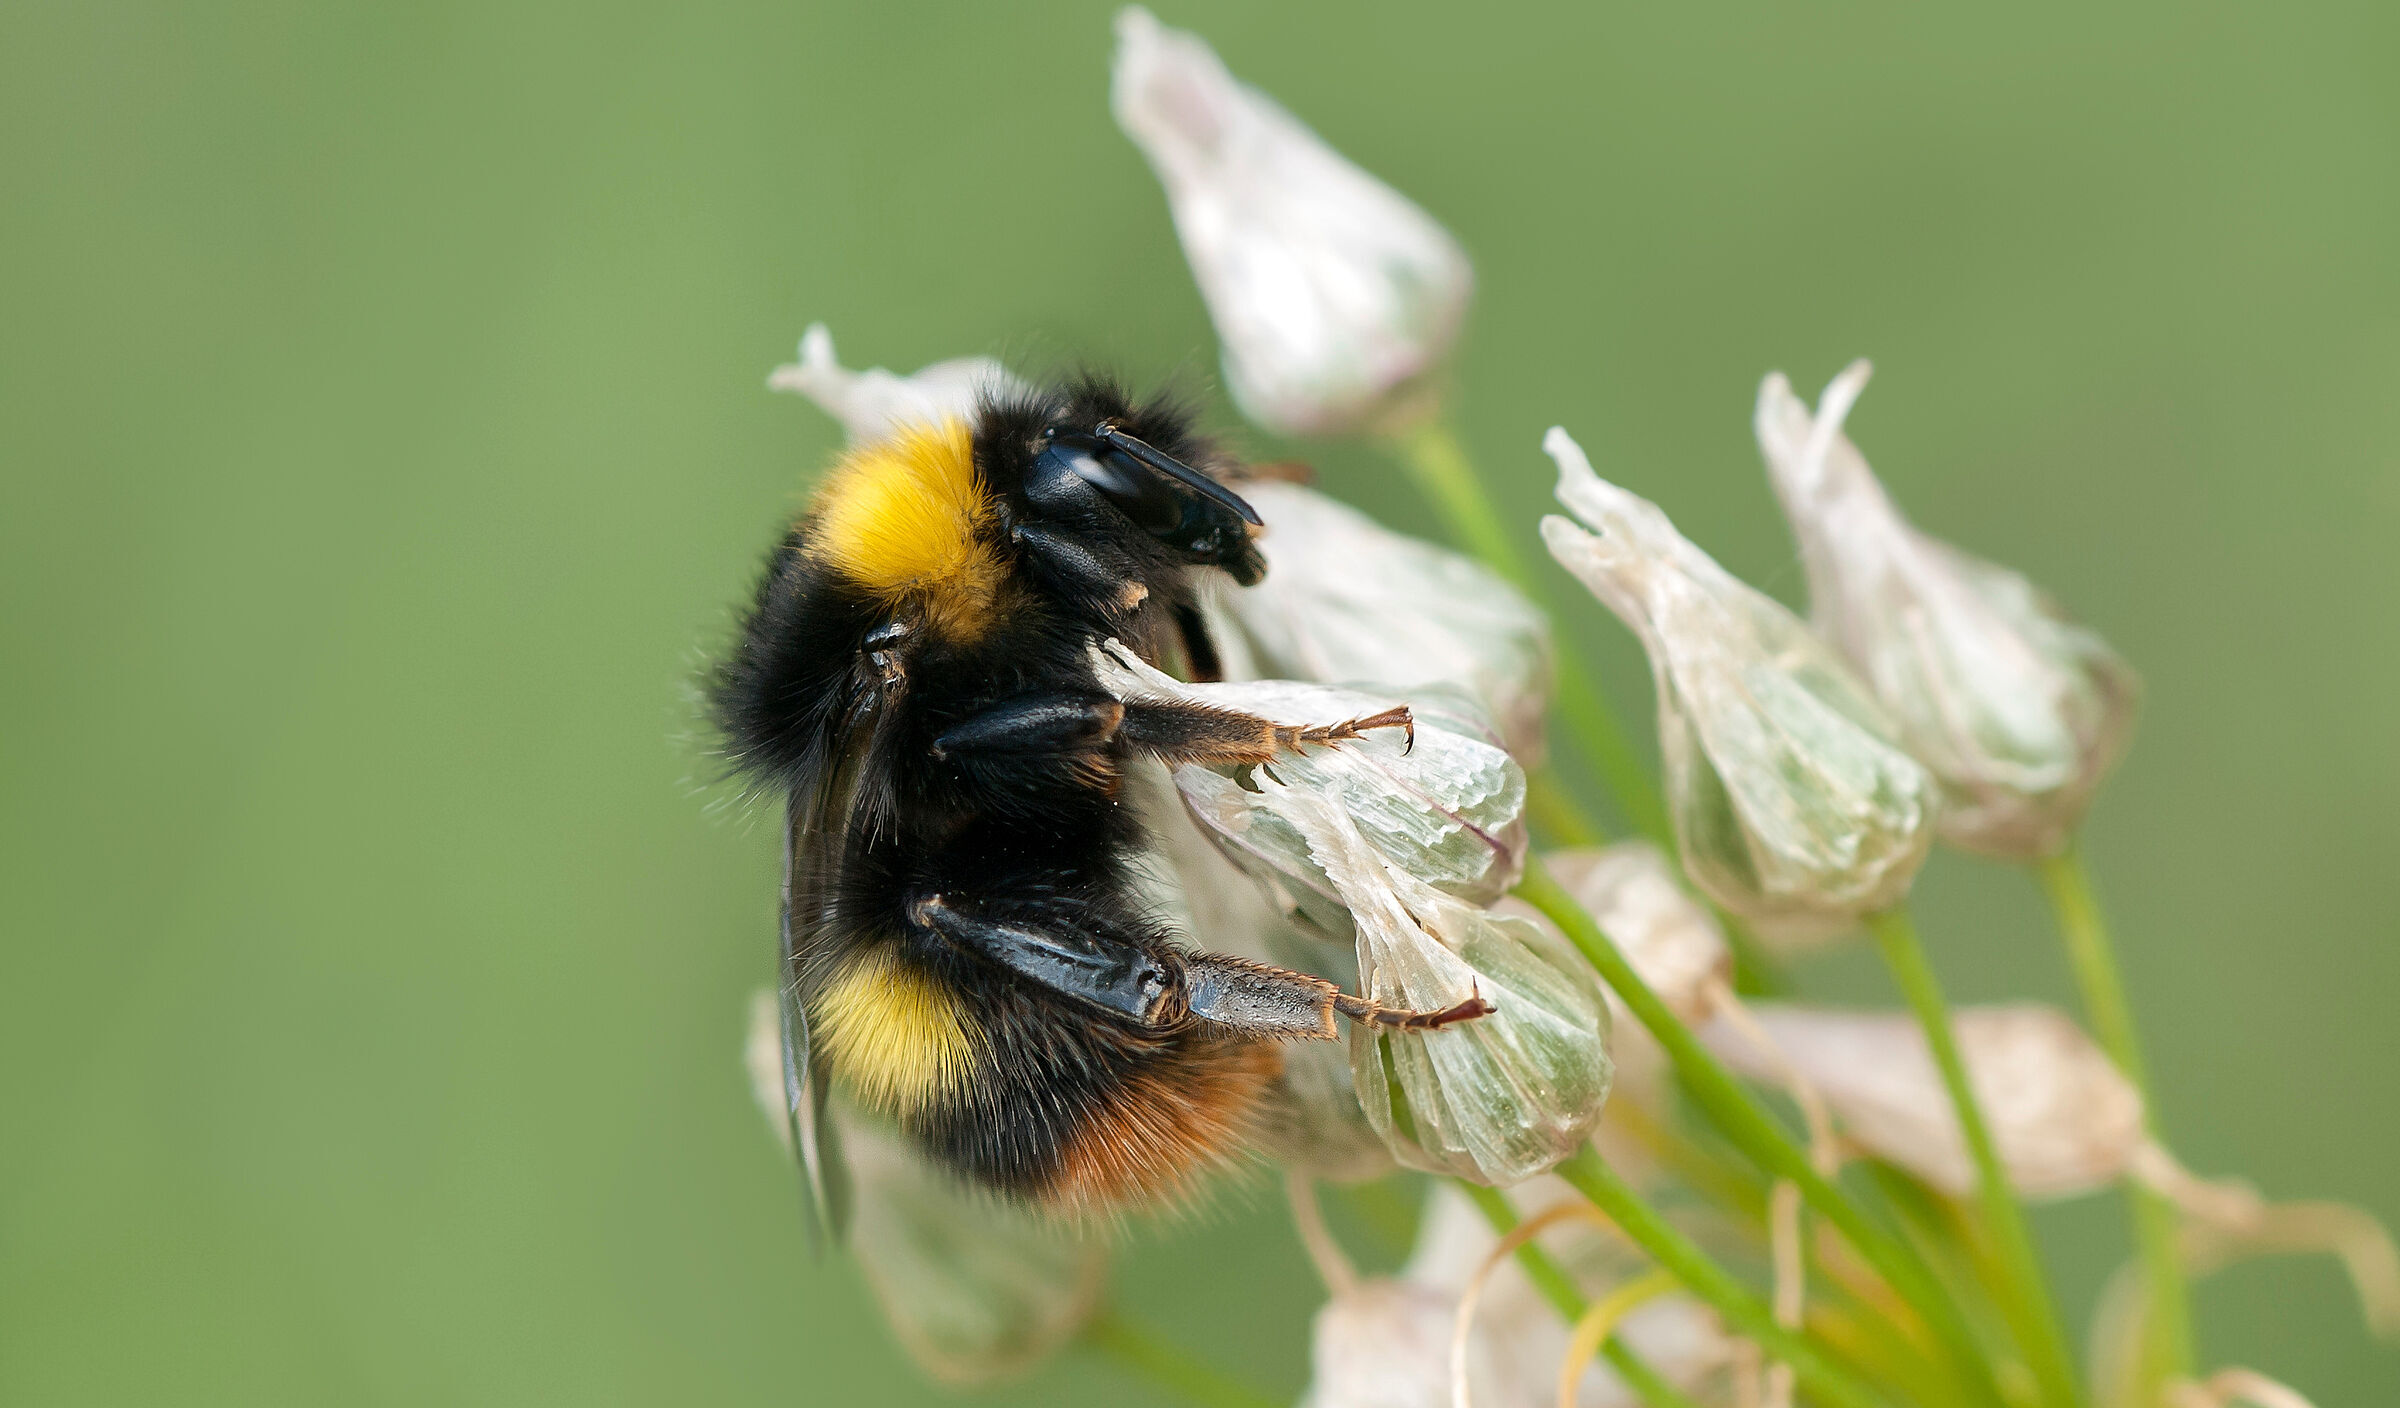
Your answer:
<point x="381" y="394"/>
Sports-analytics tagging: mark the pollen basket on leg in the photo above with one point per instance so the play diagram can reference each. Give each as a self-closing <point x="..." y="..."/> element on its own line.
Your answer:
<point x="907" y="519"/>
<point x="894" y="1034"/>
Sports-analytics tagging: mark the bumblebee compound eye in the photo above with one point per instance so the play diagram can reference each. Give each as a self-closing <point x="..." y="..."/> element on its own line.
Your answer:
<point x="1148" y="499"/>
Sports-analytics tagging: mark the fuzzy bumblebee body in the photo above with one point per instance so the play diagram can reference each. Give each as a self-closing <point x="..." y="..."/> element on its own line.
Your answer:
<point x="964" y="949"/>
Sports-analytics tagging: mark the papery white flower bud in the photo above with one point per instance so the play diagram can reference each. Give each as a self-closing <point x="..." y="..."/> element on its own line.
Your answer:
<point x="1498" y="1099"/>
<point x="1631" y="891"/>
<point x="2018" y="711"/>
<point x="873" y="403"/>
<point x="1347" y="599"/>
<point x="2064" y="1119"/>
<point x="1336" y="299"/>
<point x="1792" y="805"/>
<point x="973" y="1288"/>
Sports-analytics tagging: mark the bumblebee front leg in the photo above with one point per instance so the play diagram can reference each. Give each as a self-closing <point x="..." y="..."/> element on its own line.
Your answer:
<point x="1180" y="731"/>
<point x="1264" y="1002"/>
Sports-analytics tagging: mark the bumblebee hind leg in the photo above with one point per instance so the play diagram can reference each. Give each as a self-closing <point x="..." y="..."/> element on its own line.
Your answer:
<point x="1261" y="1002"/>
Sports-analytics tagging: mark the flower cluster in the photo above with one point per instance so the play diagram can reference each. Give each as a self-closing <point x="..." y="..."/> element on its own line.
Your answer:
<point x="1615" y="1217"/>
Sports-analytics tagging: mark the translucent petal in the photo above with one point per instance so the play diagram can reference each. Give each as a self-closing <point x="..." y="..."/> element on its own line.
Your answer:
<point x="1792" y="804"/>
<point x="1448" y="808"/>
<point x="1386" y="1344"/>
<point x="1336" y="299"/>
<point x="873" y="403"/>
<point x="2018" y="711"/>
<point x="1346" y="599"/>
<point x="2064" y="1119"/>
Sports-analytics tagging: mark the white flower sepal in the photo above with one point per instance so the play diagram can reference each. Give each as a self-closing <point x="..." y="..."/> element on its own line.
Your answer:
<point x="974" y="1289"/>
<point x="1347" y="599"/>
<point x="1792" y="803"/>
<point x="2018" y="711"/>
<point x="1336" y="299"/>
<point x="874" y="403"/>
<point x="1448" y="807"/>
<point x="2064" y="1119"/>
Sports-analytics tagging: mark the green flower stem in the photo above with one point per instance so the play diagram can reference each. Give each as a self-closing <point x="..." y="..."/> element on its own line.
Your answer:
<point x="1443" y="472"/>
<point x="1559" y="1289"/>
<point x="2094" y="959"/>
<point x="1739" y="1115"/>
<point x="1826" y="1381"/>
<point x="1141" y="1352"/>
<point x="2035" y="1316"/>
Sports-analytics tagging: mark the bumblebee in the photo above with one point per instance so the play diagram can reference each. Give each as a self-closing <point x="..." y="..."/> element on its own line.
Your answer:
<point x="963" y="948"/>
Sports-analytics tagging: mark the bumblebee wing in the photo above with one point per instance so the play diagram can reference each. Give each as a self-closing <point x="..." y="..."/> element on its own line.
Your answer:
<point x="821" y="830"/>
<point x="824" y="1182"/>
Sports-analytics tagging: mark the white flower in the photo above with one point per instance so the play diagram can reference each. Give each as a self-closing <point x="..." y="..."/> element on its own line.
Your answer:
<point x="1672" y="941"/>
<point x="1337" y="300"/>
<point x="973" y="1288"/>
<point x="1347" y="599"/>
<point x="2018" y="711"/>
<point x="873" y="403"/>
<point x="1386" y="1344"/>
<point x="1792" y="805"/>
<point x="1519" y="1330"/>
<point x="2064" y="1119"/>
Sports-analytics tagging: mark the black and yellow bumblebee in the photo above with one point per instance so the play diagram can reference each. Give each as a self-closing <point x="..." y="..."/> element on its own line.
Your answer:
<point x="963" y="947"/>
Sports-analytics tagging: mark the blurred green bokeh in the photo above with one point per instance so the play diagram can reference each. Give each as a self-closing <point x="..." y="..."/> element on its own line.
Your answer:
<point x="381" y="396"/>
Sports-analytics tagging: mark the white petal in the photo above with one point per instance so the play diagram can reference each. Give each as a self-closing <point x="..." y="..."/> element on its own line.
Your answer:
<point x="2064" y="1118"/>
<point x="873" y="403"/>
<point x="2018" y="711"/>
<point x="1336" y="298"/>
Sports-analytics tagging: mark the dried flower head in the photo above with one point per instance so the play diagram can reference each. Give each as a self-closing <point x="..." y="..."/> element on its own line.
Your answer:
<point x="973" y="1288"/>
<point x="1337" y="300"/>
<point x="1791" y="802"/>
<point x="2018" y="711"/>
<point x="1347" y="599"/>
<point x="873" y="403"/>
<point x="2065" y="1120"/>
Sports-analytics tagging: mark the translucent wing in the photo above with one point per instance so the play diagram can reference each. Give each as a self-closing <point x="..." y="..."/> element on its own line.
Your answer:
<point x="821" y="828"/>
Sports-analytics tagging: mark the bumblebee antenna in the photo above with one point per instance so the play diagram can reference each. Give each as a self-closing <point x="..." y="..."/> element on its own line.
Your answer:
<point x="1107" y="433"/>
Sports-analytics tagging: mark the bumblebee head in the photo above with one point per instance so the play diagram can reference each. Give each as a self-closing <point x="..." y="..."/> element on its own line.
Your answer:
<point x="1103" y="467"/>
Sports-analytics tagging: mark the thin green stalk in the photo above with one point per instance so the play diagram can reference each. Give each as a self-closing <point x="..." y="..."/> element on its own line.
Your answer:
<point x="1144" y="1354"/>
<point x="1749" y="1316"/>
<point x="1757" y="1135"/>
<point x="1559" y="1289"/>
<point x="2168" y="1346"/>
<point x="2037" y="1318"/>
<point x="1447" y="477"/>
